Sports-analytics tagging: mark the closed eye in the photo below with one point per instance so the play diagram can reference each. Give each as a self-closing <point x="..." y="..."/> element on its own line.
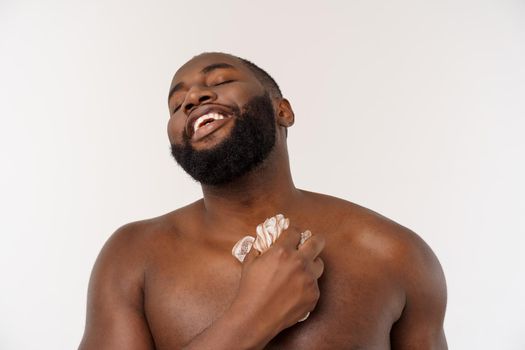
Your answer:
<point x="223" y="82"/>
<point x="176" y="109"/>
<point x="216" y="84"/>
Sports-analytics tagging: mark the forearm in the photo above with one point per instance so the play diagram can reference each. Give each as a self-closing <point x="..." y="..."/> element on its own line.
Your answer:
<point x="235" y="330"/>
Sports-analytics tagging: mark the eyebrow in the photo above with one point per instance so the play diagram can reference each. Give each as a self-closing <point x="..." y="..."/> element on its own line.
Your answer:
<point x="204" y="70"/>
<point x="214" y="66"/>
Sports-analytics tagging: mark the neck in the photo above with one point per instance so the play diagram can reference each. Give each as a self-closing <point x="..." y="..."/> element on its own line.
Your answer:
<point x="264" y="192"/>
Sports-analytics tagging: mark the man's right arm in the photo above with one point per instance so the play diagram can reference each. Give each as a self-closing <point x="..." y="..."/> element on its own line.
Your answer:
<point x="234" y="330"/>
<point x="115" y="316"/>
<point x="267" y="301"/>
<point x="276" y="290"/>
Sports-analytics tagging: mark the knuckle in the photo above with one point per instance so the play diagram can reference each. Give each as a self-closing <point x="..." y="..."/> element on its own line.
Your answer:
<point x="278" y="249"/>
<point x="308" y="282"/>
<point x="320" y="262"/>
<point x="319" y="240"/>
<point x="281" y="252"/>
<point x="312" y="306"/>
<point x="316" y="292"/>
<point x="300" y="264"/>
<point x="313" y="302"/>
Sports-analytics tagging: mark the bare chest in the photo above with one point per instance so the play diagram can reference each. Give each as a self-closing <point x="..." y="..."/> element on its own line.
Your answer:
<point x="356" y="309"/>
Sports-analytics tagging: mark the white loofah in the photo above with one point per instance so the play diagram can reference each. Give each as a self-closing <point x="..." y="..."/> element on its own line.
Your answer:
<point x="242" y="247"/>
<point x="266" y="235"/>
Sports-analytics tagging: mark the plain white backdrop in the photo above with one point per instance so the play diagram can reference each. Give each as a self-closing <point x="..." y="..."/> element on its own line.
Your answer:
<point x="415" y="109"/>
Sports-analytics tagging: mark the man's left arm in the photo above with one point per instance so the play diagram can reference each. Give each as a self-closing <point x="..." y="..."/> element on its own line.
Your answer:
<point x="421" y="323"/>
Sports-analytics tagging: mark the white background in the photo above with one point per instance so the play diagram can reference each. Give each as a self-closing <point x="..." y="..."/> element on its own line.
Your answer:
<point x="412" y="108"/>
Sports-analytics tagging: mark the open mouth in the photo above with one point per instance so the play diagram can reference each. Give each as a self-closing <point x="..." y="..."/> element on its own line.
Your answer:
<point x="206" y="119"/>
<point x="207" y="124"/>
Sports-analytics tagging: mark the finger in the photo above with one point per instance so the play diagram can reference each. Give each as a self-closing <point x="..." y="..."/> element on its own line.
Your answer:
<point x="289" y="238"/>
<point x="252" y="255"/>
<point x="317" y="267"/>
<point x="312" y="247"/>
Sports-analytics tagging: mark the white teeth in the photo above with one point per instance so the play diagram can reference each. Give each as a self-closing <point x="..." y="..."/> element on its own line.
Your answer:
<point x="201" y="119"/>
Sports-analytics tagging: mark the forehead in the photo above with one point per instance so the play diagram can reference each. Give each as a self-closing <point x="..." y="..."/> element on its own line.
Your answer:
<point x="195" y="66"/>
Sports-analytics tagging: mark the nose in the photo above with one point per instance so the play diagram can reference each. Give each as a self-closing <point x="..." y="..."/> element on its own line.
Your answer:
<point x="197" y="95"/>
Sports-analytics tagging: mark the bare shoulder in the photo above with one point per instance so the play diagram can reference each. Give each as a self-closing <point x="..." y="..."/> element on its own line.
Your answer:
<point x="135" y="237"/>
<point x="115" y="312"/>
<point x="125" y="255"/>
<point x="402" y="249"/>
<point x="372" y="230"/>
<point x="397" y="253"/>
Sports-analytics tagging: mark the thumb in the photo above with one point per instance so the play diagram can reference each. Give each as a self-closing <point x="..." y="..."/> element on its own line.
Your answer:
<point x="252" y="254"/>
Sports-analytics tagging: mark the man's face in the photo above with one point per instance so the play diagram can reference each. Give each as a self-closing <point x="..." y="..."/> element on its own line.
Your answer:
<point x="222" y="122"/>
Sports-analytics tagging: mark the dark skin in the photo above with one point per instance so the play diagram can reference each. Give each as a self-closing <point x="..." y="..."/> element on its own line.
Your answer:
<point x="172" y="283"/>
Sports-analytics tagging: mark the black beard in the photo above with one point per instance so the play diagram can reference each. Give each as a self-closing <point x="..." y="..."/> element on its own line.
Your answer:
<point x="251" y="140"/>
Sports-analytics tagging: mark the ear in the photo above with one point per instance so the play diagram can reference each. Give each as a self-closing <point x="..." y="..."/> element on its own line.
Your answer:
<point x="285" y="116"/>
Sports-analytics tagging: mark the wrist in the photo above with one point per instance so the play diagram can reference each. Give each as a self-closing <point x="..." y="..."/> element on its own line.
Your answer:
<point x="250" y="330"/>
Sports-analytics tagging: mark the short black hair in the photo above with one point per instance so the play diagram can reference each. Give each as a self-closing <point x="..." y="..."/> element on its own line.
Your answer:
<point x="264" y="78"/>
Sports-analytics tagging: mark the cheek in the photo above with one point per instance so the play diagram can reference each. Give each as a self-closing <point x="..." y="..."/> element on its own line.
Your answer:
<point x="175" y="129"/>
<point x="242" y="94"/>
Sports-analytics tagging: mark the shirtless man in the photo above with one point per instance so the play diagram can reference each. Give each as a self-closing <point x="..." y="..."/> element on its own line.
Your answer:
<point x="172" y="283"/>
